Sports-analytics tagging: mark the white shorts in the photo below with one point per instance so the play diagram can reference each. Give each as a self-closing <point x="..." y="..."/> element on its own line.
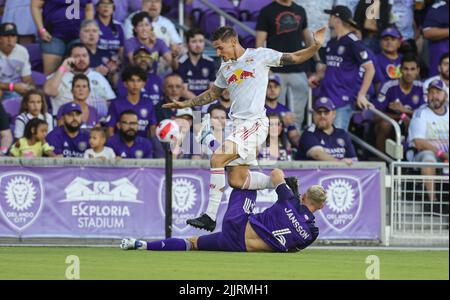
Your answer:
<point x="249" y="136"/>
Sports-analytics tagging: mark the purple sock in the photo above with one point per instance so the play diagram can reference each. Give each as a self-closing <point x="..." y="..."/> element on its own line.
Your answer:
<point x="169" y="245"/>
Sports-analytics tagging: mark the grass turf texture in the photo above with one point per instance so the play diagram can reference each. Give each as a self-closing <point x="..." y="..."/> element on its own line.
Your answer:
<point x="113" y="263"/>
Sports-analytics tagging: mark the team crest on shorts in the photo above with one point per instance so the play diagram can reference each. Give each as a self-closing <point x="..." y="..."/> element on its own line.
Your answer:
<point x="187" y="199"/>
<point x="21" y="198"/>
<point x="343" y="203"/>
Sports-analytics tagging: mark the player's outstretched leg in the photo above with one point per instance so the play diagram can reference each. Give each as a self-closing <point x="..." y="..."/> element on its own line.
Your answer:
<point x="162" y="245"/>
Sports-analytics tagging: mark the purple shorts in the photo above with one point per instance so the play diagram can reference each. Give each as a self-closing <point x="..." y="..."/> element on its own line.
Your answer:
<point x="232" y="237"/>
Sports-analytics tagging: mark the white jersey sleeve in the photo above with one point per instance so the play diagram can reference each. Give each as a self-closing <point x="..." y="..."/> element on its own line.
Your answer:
<point x="221" y="81"/>
<point x="270" y="57"/>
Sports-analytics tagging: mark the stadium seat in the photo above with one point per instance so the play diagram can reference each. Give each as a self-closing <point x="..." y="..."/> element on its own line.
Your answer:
<point x="12" y="107"/>
<point x="249" y="9"/>
<point x="38" y="78"/>
<point x="247" y="40"/>
<point x="200" y="12"/>
<point x="34" y="50"/>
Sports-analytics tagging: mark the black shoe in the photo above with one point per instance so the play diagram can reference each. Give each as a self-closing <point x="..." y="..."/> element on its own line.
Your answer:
<point x="292" y="183"/>
<point x="203" y="222"/>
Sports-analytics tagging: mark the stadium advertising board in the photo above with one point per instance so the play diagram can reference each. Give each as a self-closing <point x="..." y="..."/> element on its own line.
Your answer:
<point x="89" y="202"/>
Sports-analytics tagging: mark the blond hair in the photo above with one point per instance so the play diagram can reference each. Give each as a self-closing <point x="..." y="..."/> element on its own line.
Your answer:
<point x="317" y="195"/>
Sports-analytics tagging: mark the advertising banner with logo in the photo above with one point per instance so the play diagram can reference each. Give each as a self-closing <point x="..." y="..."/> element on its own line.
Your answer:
<point x="122" y="202"/>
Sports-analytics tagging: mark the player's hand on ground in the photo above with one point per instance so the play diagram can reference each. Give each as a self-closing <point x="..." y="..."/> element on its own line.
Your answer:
<point x="176" y="105"/>
<point x="363" y="103"/>
<point x="319" y="36"/>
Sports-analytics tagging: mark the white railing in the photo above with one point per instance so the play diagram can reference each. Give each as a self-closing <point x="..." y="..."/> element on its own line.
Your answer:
<point x="413" y="216"/>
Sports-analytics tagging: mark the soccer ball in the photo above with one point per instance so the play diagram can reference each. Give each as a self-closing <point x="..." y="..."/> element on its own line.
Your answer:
<point x="168" y="131"/>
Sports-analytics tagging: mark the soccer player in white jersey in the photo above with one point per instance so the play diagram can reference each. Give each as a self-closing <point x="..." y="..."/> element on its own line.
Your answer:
<point x="245" y="73"/>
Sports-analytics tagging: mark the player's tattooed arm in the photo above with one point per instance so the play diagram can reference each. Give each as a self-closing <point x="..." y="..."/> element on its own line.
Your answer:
<point x="301" y="56"/>
<point x="207" y="97"/>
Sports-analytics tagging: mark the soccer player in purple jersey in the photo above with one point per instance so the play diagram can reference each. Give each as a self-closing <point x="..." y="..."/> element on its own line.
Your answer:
<point x="245" y="73"/>
<point x="287" y="226"/>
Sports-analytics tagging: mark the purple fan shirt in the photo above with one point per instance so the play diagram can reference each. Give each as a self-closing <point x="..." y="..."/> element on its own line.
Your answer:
<point x="141" y="148"/>
<point x="387" y="69"/>
<point x="281" y="110"/>
<point x="338" y="144"/>
<point x="287" y="225"/>
<point x="391" y="92"/>
<point x="111" y="37"/>
<point x="67" y="146"/>
<point x="344" y="57"/>
<point x="152" y="90"/>
<point x="437" y="17"/>
<point x="55" y="15"/>
<point x="93" y="120"/>
<point x="198" y="77"/>
<point x="158" y="50"/>
<point x="144" y="109"/>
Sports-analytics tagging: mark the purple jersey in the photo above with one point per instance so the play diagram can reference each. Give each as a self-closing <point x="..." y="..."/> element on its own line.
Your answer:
<point x="281" y="110"/>
<point x="92" y="121"/>
<point x="111" y="37"/>
<point x="158" y="50"/>
<point x="338" y="144"/>
<point x="101" y="57"/>
<point x="437" y="17"/>
<point x="141" y="148"/>
<point x="387" y="69"/>
<point x="391" y="92"/>
<point x="287" y="225"/>
<point x="344" y="57"/>
<point x="144" y="109"/>
<point x="62" y="19"/>
<point x="152" y="90"/>
<point x="199" y="76"/>
<point x="67" y="146"/>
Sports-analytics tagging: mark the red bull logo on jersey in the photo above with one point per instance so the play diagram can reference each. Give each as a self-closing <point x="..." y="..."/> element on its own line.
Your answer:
<point x="239" y="76"/>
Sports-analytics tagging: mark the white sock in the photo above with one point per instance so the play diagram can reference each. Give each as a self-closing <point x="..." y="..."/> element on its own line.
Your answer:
<point x="258" y="181"/>
<point x="217" y="183"/>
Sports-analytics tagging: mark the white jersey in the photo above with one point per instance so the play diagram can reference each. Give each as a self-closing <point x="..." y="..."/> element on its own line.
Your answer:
<point x="246" y="79"/>
<point x="107" y="153"/>
<point x="426" y="124"/>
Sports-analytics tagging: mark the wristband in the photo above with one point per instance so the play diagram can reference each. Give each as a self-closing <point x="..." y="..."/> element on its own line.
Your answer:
<point x="42" y="31"/>
<point x="403" y="116"/>
<point x="11" y="87"/>
<point x="440" y="153"/>
<point x="62" y="69"/>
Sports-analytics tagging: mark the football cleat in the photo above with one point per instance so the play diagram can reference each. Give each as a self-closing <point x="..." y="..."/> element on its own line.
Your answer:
<point x="203" y="222"/>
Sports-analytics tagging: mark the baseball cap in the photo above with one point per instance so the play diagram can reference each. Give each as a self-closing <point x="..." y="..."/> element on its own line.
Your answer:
<point x="70" y="107"/>
<point x="8" y="29"/>
<point x="324" y="102"/>
<point x="437" y="84"/>
<point x="141" y="49"/>
<point x="275" y="78"/>
<point x="342" y="12"/>
<point x="184" y="112"/>
<point x="391" y="31"/>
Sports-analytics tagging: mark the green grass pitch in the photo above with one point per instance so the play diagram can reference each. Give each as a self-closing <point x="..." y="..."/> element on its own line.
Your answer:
<point x="113" y="263"/>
